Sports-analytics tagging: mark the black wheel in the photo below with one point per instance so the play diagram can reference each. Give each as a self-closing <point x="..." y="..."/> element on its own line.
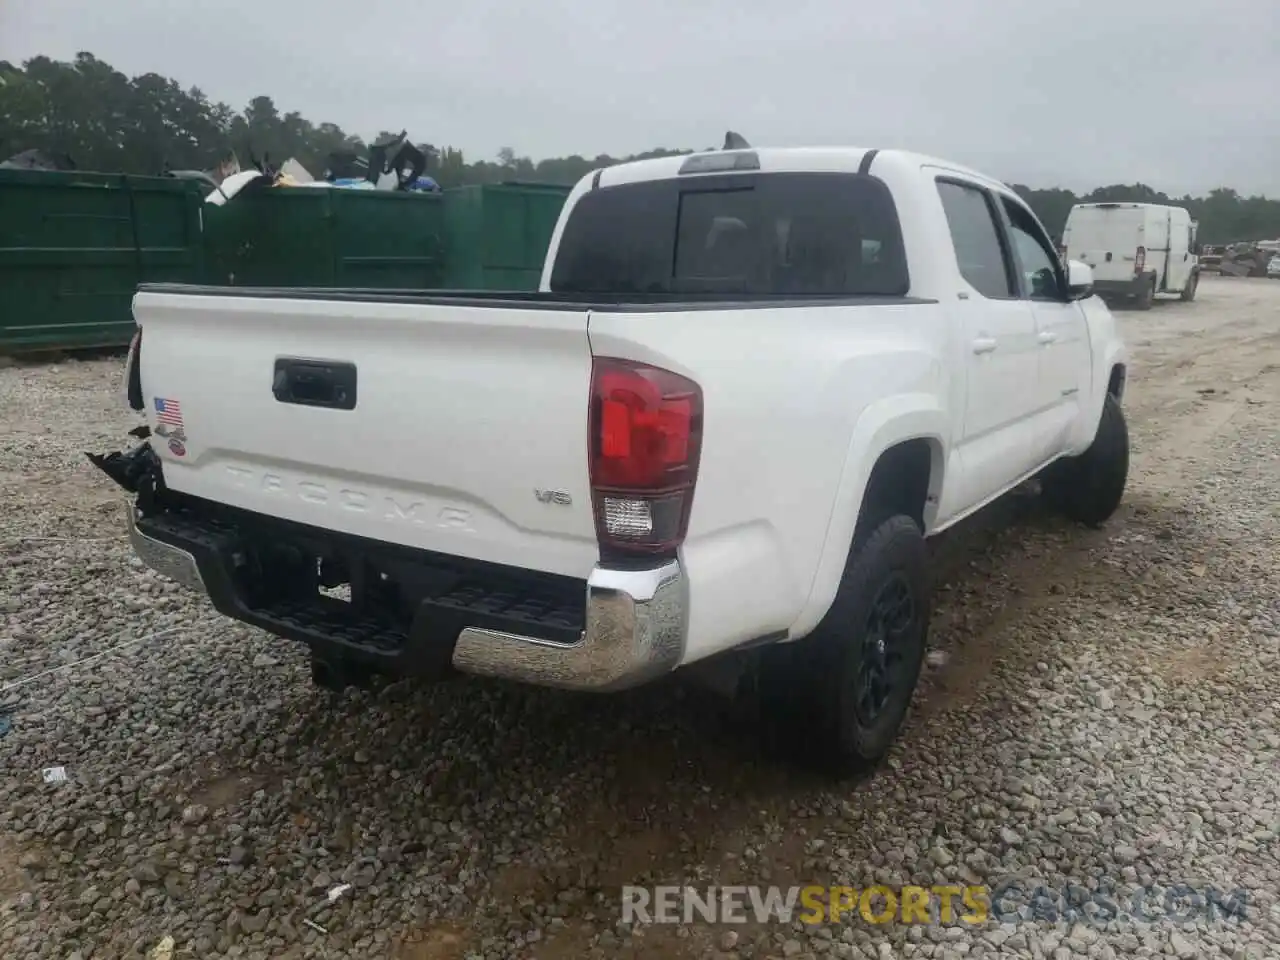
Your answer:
<point x="1144" y="300"/>
<point x="842" y="693"/>
<point x="1189" y="291"/>
<point x="1089" y="488"/>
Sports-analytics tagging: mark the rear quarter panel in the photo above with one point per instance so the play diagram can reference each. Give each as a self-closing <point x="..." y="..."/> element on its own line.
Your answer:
<point x="1106" y="350"/>
<point x="795" y="401"/>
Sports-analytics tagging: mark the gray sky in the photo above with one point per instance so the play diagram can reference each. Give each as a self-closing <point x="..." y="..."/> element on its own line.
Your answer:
<point x="1171" y="93"/>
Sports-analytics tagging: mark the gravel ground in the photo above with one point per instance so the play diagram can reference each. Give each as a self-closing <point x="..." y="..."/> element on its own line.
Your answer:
<point x="1101" y="707"/>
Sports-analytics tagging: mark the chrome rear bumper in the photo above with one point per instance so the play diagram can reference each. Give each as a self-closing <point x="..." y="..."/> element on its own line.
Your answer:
<point x="635" y="630"/>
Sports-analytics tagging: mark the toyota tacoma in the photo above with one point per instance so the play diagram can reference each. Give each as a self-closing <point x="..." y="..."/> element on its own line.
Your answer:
<point x="751" y="384"/>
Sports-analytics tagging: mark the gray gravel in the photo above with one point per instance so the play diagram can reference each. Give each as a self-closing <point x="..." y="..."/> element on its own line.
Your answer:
<point x="1101" y="712"/>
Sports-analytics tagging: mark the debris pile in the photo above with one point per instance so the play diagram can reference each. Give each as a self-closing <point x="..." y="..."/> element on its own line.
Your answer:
<point x="38" y="160"/>
<point x="1248" y="259"/>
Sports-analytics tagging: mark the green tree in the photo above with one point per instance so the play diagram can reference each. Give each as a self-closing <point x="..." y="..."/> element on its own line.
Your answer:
<point x="107" y="121"/>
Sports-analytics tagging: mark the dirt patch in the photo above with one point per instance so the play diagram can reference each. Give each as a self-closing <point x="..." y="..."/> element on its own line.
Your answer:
<point x="226" y="790"/>
<point x="12" y="877"/>
<point x="574" y="941"/>
<point x="516" y="881"/>
<point x="441" y="942"/>
<point x="1194" y="665"/>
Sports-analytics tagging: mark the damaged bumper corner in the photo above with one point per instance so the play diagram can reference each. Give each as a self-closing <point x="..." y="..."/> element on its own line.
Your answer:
<point x="134" y="471"/>
<point x="138" y="473"/>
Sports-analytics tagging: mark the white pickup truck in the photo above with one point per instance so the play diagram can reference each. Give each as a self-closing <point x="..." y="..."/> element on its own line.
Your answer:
<point x="752" y="383"/>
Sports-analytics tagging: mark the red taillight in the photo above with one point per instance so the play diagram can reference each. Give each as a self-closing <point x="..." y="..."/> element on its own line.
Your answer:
<point x="1140" y="260"/>
<point x="646" y="435"/>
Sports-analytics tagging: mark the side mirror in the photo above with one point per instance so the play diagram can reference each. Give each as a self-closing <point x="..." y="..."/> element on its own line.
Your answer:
<point x="1079" y="280"/>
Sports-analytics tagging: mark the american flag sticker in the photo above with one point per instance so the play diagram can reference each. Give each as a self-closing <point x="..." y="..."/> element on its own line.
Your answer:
<point x="169" y="412"/>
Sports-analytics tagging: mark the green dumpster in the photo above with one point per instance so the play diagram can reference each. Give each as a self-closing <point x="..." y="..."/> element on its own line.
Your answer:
<point x="75" y="246"/>
<point x="499" y="234"/>
<point x="325" y="237"/>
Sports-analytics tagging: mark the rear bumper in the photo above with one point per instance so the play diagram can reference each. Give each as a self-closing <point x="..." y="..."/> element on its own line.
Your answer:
<point x="1124" y="288"/>
<point x="625" y="628"/>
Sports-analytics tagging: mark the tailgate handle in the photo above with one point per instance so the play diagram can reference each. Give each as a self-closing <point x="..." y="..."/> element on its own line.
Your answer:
<point x="315" y="383"/>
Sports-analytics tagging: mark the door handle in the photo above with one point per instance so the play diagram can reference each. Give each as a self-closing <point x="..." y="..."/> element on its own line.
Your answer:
<point x="1047" y="338"/>
<point x="984" y="345"/>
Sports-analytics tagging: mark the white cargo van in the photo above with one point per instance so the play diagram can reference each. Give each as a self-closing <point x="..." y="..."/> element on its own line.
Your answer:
<point x="1136" y="250"/>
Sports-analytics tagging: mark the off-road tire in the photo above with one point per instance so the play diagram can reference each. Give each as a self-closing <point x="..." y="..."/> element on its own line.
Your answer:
<point x="1147" y="297"/>
<point x="1189" y="291"/>
<point x="1089" y="488"/>
<point x="817" y="688"/>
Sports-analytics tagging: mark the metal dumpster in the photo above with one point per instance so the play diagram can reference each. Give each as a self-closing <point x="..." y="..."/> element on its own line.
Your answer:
<point x="75" y="246"/>
<point x="499" y="233"/>
<point x="326" y="237"/>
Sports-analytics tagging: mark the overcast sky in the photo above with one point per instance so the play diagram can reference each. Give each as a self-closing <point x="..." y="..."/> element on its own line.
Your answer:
<point x="1181" y="94"/>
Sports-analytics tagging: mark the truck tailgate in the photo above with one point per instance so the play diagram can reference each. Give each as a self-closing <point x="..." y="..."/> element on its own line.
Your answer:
<point x="455" y="428"/>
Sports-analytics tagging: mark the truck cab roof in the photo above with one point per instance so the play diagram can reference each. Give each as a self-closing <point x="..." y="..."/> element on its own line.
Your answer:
<point x="834" y="159"/>
<point x="1126" y="205"/>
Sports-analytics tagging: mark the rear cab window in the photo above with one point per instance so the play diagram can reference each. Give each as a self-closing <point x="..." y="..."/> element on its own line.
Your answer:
<point x="787" y="235"/>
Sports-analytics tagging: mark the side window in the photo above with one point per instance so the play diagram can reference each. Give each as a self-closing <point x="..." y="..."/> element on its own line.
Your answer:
<point x="1036" y="259"/>
<point x="979" y="251"/>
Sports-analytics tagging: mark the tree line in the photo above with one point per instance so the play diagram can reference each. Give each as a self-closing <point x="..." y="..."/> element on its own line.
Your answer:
<point x="105" y="121"/>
